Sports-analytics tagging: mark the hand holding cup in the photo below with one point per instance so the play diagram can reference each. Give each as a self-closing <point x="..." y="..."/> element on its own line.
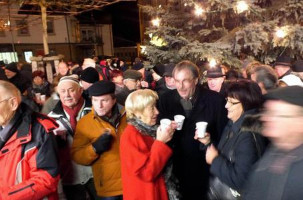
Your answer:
<point x="166" y="130"/>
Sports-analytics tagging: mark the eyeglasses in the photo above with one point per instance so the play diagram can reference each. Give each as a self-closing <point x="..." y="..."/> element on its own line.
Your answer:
<point x="6" y="99"/>
<point x="232" y="103"/>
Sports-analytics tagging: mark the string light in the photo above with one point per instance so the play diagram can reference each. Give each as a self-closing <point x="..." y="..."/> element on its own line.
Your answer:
<point x="280" y="33"/>
<point x="241" y="6"/>
<point x="158" y="41"/>
<point x="143" y="49"/>
<point x="198" y="10"/>
<point x="156" y="22"/>
<point x="212" y="62"/>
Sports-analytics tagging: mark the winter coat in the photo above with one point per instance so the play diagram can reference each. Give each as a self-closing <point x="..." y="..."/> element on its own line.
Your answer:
<point x="142" y="163"/>
<point x="239" y="149"/>
<point x="278" y="175"/>
<point x="71" y="172"/>
<point x="189" y="160"/>
<point x="106" y="167"/>
<point x="28" y="157"/>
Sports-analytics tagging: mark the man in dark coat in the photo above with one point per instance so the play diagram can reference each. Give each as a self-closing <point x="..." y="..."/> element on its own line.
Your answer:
<point x="196" y="104"/>
<point x="278" y="175"/>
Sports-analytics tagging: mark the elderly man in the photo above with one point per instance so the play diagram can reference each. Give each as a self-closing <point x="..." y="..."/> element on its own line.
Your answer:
<point x="97" y="139"/>
<point x="131" y="81"/>
<point x="77" y="180"/>
<point x="28" y="159"/>
<point x="278" y="174"/>
<point x="215" y="79"/>
<point x="15" y="77"/>
<point x="282" y="66"/>
<point x="196" y="104"/>
<point x="265" y="76"/>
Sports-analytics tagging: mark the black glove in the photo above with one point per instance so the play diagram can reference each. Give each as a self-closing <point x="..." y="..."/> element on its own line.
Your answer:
<point x="103" y="143"/>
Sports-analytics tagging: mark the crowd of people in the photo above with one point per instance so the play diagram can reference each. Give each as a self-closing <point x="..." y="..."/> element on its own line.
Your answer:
<point x="97" y="131"/>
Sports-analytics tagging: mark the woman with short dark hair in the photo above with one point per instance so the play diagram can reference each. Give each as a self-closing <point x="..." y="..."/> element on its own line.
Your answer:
<point x="239" y="147"/>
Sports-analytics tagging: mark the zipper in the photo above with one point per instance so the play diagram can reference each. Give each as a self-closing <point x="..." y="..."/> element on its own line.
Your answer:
<point x="13" y="192"/>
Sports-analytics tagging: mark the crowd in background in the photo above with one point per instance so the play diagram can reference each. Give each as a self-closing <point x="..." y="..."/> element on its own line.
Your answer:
<point x="93" y="133"/>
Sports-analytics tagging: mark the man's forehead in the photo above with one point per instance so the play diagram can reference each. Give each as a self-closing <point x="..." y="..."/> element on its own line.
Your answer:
<point x="183" y="73"/>
<point x="102" y="97"/>
<point x="68" y="85"/>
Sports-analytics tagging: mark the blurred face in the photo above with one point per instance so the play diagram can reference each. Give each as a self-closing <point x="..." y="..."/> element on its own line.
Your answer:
<point x="118" y="80"/>
<point x="282" y="123"/>
<point x="234" y="109"/>
<point x="6" y="107"/>
<point x="149" y="115"/>
<point x="88" y="62"/>
<point x="69" y="93"/>
<point x="185" y="83"/>
<point x="103" y="104"/>
<point x="170" y="82"/>
<point x="281" y="70"/>
<point x="9" y="74"/>
<point x="85" y="85"/>
<point x="62" y="69"/>
<point x="38" y="80"/>
<point x="132" y="84"/>
<point x="215" y="84"/>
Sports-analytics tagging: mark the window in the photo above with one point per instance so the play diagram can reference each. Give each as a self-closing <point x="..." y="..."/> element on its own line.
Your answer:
<point x="8" y="57"/>
<point x="27" y="55"/>
<point x="87" y="35"/>
<point x="22" y="26"/>
<point x="50" y="26"/>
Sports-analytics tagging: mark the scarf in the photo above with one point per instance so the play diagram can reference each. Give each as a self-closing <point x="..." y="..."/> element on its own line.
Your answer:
<point x="171" y="181"/>
<point x="73" y="113"/>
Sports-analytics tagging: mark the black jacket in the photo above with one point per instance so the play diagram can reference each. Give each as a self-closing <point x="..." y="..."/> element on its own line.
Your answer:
<point x="189" y="161"/>
<point x="239" y="148"/>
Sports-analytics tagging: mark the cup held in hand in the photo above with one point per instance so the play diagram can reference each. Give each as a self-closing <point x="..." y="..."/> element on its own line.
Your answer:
<point x="164" y="123"/>
<point x="201" y="129"/>
<point x="179" y="119"/>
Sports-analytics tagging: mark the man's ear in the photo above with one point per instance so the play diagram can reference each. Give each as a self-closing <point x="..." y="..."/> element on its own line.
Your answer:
<point x="13" y="102"/>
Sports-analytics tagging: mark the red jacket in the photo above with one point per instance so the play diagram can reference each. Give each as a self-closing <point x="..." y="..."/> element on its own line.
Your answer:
<point x="28" y="160"/>
<point x="142" y="161"/>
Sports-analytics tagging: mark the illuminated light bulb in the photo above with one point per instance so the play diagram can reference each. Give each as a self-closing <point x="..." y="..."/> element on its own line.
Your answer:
<point x="212" y="62"/>
<point x="198" y="11"/>
<point x="143" y="48"/>
<point x="242" y="6"/>
<point x="150" y="35"/>
<point x="185" y="4"/>
<point x="280" y="33"/>
<point x="156" y="22"/>
<point x="160" y="6"/>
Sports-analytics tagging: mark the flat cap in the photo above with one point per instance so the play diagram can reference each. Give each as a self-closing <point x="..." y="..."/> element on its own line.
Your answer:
<point x="12" y="67"/>
<point x="89" y="75"/>
<point x="289" y="94"/>
<point x="101" y="88"/>
<point x="132" y="74"/>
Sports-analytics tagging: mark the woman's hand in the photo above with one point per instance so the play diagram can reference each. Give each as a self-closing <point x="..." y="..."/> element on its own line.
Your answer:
<point x="166" y="134"/>
<point x="205" y="140"/>
<point x="211" y="154"/>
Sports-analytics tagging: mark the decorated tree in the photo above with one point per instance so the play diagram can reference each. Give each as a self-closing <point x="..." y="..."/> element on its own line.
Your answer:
<point x="224" y="31"/>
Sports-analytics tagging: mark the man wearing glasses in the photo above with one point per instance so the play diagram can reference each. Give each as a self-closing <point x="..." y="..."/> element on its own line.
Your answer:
<point x="278" y="174"/>
<point x="28" y="159"/>
<point x="196" y="104"/>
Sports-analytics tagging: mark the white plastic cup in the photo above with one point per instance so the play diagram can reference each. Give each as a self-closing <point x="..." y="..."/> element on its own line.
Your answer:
<point x="201" y="129"/>
<point x="164" y="123"/>
<point x="179" y="119"/>
<point x="43" y="97"/>
<point x="38" y="96"/>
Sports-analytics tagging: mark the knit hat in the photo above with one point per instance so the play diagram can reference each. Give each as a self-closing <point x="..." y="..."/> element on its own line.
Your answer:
<point x="289" y="94"/>
<point x="132" y="74"/>
<point x="72" y="78"/>
<point x="12" y="67"/>
<point x="214" y="72"/>
<point x="38" y="73"/>
<point x="101" y="88"/>
<point x="283" y="61"/>
<point x="89" y="75"/>
<point x="298" y="66"/>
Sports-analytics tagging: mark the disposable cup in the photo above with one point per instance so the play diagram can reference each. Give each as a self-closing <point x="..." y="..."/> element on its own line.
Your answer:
<point x="179" y="119"/>
<point x="43" y="97"/>
<point x="201" y="129"/>
<point x="164" y="123"/>
<point x="38" y="96"/>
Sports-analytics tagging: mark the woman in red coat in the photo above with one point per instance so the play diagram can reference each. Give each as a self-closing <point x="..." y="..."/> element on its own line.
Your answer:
<point x="143" y="149"/>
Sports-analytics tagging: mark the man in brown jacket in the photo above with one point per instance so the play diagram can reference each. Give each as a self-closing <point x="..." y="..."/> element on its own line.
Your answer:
<point x="97" y="140"/>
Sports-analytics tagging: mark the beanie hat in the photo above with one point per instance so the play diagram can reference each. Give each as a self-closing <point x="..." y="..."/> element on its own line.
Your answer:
<point x="71" y="78"/>
<point x="12" y="67"/>
<point x="38" y="73"/>
<point x="89" y="75"/>
<point x="101" y="88"/>
<point x="289" y="94"/>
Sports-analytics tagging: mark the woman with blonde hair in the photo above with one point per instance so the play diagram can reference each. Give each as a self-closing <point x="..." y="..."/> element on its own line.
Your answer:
<point x="143" y="149"/>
